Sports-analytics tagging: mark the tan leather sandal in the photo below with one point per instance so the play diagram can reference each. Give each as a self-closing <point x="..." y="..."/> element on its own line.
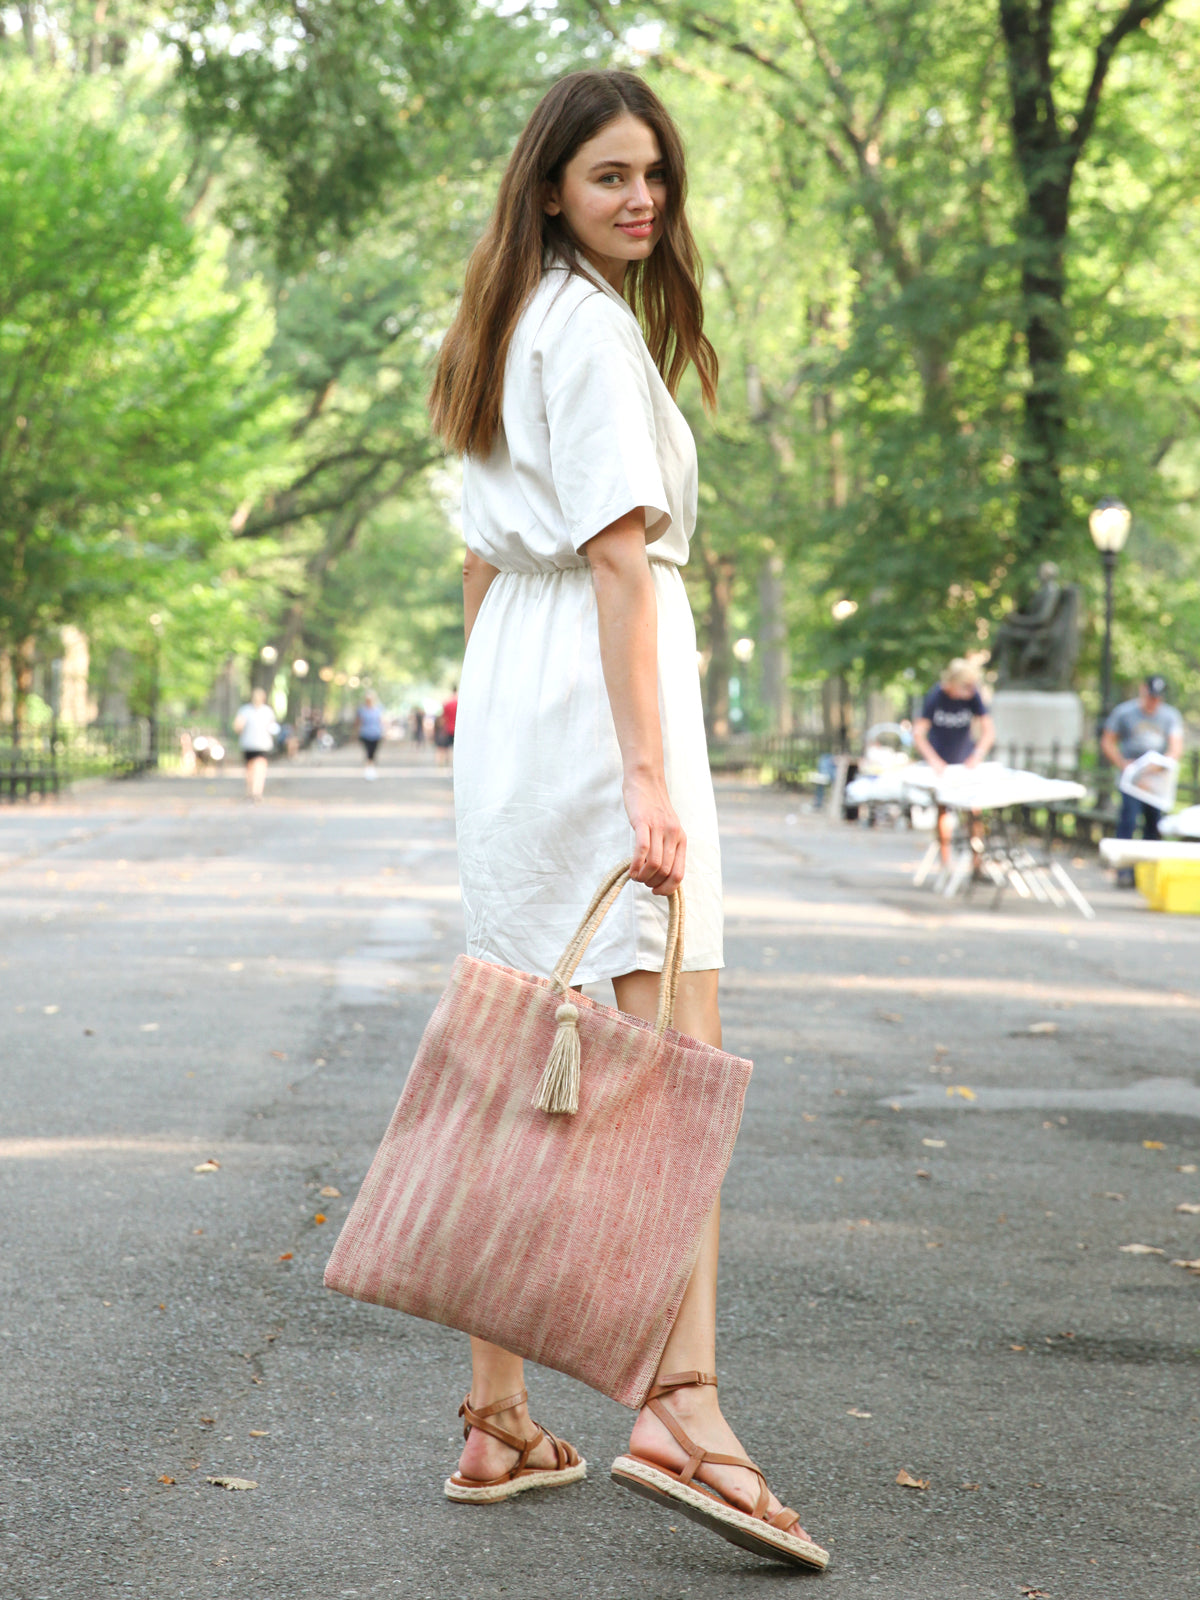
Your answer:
<point x="779" y="1537"/>
<point x="569" y="1465"/>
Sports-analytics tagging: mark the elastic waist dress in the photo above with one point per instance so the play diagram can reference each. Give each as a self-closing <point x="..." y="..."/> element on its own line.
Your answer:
<point x="590" y="432"/>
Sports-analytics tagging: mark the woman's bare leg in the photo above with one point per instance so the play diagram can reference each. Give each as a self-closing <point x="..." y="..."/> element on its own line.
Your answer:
<point x="496" y="1374"/>
<point x="692" y="1345"/>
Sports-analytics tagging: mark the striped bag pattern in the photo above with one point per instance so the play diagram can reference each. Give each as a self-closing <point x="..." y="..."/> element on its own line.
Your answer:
<point x="568" y="1239"/>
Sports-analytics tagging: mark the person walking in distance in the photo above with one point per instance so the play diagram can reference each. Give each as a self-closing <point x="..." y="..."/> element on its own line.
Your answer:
<point x="447" y="722"/>
<point x="369" y="720"/>
<point x="256" y="727"/>
<point x="943" y="732"/>
<point x="579" y="729"/>
<point x="1136" y="728"/>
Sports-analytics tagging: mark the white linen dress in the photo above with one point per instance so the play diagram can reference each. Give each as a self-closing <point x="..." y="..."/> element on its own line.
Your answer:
<point x="589" y="432"/>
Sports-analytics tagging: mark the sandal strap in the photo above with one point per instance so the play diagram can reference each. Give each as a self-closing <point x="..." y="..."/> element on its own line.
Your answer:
<point x="682" y="1380"/>
<point x="478" y="1419"/>
<point x="565" y="1455"/>
<point x="698" y="1456"/>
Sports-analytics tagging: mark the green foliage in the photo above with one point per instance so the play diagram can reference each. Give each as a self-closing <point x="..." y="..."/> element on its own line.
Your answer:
<point x="128" y="391"/>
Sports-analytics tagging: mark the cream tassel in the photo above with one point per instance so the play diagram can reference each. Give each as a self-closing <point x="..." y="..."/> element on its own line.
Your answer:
<point x="558" y="1090"/>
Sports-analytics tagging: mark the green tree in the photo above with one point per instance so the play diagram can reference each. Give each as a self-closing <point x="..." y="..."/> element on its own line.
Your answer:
<point x="125" y="366"/>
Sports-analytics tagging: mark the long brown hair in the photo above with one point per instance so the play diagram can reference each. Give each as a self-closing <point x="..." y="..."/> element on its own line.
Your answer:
<point x="506" y="265"/>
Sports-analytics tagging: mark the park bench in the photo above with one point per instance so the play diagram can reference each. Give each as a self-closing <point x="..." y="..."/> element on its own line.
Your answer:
<point x="23" y="775"/>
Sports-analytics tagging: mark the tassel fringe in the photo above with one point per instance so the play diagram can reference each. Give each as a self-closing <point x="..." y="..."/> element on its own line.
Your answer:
<point x="558" y="1090"/>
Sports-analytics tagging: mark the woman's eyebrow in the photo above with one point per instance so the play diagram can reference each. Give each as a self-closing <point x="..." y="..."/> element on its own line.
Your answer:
<point x="624" y="165"/>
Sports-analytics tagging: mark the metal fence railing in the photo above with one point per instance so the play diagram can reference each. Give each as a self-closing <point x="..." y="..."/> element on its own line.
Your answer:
<point x="46" y="759"/>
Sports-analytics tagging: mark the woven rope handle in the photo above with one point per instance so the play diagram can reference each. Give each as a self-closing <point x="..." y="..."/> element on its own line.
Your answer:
<point x="558" y="1090"/>
<point x="601" y="905"/>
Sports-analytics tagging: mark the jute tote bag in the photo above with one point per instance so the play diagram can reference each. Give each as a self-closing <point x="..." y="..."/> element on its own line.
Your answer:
<point x="549" y="1168"/>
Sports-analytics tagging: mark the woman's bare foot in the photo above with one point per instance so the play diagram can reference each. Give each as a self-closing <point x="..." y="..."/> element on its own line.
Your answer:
<point x="484" y="1457"/>
<point x="698" y="1413"/>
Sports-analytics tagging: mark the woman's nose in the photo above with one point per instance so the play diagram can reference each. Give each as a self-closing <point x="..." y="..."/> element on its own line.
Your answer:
<point x="641" y="196"/>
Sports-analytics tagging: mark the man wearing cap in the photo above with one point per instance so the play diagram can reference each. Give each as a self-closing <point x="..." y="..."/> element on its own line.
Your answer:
<point x="1133" y="729"/>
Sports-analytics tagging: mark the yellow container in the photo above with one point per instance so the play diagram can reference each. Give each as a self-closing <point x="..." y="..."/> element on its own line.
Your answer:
<point x="1145" y="875"/>
<point x="1182" y="894"/>
<point x="1177" y="886"/>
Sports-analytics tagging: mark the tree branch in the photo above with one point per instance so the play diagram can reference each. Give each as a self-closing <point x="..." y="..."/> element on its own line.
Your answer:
<point x="1134" y="15"/>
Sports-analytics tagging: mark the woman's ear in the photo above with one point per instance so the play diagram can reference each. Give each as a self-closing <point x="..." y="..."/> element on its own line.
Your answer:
<point x="550" y="200"/>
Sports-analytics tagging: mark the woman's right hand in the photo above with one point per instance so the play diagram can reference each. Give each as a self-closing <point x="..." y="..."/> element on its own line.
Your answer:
<point x="660" y="848"/>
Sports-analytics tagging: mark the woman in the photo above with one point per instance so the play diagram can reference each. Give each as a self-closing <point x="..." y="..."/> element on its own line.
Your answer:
<point x="580" y="733"/>
<point x="256" y="727"/>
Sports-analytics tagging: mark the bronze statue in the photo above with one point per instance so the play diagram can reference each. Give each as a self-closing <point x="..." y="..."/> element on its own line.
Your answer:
<point x="1037" y="648"/>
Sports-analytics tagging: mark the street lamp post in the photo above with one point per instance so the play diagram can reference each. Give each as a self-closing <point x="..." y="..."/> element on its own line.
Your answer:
<point x="1109" y="526"/>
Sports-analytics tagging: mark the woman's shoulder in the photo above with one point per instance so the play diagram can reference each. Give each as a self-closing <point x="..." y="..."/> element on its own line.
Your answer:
<point x="568" y="306"/>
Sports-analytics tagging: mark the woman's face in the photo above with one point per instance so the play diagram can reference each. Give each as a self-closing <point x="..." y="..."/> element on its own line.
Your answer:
<point x="613" y="195"/>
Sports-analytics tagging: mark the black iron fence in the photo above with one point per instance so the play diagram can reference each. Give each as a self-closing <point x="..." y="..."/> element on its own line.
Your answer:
<point x="44" y="760"/>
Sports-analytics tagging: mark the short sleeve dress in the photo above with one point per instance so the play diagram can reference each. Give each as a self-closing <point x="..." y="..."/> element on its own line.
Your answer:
<point x="589" y="432"/>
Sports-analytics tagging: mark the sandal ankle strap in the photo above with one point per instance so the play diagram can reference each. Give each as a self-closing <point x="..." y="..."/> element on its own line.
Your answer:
<point x="478" y="1419"/>
<point x="498" y="1405"/>
<point x="681" y="1380"/>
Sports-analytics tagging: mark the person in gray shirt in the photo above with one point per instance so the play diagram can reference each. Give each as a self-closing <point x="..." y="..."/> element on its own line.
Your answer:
<point x="1133" y="729"/>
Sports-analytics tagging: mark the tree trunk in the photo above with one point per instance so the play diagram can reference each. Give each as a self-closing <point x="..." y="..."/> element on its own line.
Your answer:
<point x="718" y="570"/>
<point x="773" y="646"/>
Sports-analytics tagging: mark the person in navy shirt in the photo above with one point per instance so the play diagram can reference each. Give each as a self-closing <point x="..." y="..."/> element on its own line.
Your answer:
<point x="943" y="733"/>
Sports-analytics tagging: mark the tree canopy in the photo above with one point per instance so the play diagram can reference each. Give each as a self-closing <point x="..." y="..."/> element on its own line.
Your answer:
<point x="950" y="276"/>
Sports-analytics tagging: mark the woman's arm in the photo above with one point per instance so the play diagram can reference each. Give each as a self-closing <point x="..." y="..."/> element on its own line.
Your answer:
<point x="477" y="580"/>
<point x="627" y="614"/>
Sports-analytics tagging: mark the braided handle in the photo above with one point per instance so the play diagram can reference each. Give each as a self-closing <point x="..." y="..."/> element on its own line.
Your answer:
<point x="602" y="902"/>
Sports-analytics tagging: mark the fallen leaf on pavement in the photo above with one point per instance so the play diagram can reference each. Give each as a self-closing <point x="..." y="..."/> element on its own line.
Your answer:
<point x="962" y="1090"/>
<point x="207" y="1422"/>
<point x="1111" y="1194"/>
<point x="935" y="1144"/>
<point x="319" y="1218"/>
<point x="1192" y="1266"/>
<point x="921" y="1173"/>
<point x="1034" y="1594"/>
<point x="855" y="1412"/>
<point x="280" y="1055"/>
<point x="330" y="1193"/>
<point x="807" y="1116"/>
<point x="166" y="1478"/>
<point x="232" y="1483"/>
<point x="286" y="1256"/>
<point x="906" y="1480"/>
<point x="1042" y="1027"/>
<point x="1153" y="1144"/>
<point x="1190" y="1167"/>
<point x="149" y="1027"/>
<point x="259" y="1433"/>
<point x="1188" y="1209"/>
<point x="49" y="1010"/>
<point x="968" y="1486"/>
<point x="208" y="1166"/>
<point x="1141" y="1250"/>
<point x="1016" y="1347"/>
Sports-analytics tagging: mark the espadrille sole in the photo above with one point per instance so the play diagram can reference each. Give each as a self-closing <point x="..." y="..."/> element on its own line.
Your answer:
<point x="751" y="1533"/>
<point x="487" y="1494"/>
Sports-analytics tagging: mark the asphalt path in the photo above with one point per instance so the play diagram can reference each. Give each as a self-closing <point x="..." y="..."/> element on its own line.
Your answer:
<point x="959" y="1117"/>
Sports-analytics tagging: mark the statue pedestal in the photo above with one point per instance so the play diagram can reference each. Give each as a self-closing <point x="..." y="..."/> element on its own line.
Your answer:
<point x="1038" y="726"/>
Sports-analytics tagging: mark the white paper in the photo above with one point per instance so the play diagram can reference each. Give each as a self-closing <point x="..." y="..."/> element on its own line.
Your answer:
<point x="1152" y="778"/>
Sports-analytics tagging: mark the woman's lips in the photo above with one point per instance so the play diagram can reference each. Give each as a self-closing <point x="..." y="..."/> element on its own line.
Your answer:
<point x="637" y="230"/>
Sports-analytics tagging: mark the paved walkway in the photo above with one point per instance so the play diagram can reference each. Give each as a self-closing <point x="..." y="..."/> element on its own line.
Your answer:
<point x="957" y="1121"/>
